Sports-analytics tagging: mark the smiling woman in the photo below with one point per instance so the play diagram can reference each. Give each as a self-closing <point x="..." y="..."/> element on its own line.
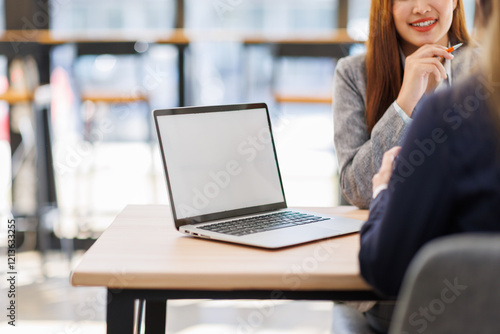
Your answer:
<point x="412" y="25"/>
<point x="423" y="22"/>
<point x="376" y="94"/>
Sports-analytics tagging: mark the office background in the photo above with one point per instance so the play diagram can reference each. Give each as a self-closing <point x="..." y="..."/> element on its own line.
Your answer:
<point x="108" y="64"/>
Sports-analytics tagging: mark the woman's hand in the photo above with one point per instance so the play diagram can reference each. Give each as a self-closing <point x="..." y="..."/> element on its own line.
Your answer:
<point x="384" y="174"/>
<point x="419" y="66"/>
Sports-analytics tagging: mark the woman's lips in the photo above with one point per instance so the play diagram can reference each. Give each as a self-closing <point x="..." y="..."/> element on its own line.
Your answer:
<point x="424" y="25"/>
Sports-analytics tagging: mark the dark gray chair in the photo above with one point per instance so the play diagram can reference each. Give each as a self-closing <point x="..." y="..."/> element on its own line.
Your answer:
<point x="452" y="286"/>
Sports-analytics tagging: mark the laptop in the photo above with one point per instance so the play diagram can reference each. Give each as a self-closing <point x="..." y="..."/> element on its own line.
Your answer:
<point x="224" y="182"/>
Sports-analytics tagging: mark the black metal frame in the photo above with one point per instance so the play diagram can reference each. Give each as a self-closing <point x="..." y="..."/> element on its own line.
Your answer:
<point x="326" y="50"/>
<point x="120" y="308"/>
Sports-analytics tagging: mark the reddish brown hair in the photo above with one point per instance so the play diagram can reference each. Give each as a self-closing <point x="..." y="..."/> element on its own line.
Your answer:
<point x="383" y="65"/>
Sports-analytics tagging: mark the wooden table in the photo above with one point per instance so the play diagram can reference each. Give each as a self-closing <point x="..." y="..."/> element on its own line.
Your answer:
<point x="142" y="257"/>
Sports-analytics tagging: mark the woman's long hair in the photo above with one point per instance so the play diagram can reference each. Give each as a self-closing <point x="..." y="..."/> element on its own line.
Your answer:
<point x="383" y="65"/>
<point x="492" y="50"/>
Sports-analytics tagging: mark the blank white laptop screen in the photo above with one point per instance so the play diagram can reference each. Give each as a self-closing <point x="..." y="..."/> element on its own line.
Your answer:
<point x="220" y="161"/>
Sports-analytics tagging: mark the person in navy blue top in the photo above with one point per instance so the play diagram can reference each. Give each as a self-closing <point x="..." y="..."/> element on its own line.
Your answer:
<point x="446" y="177"/>
<point x="445" y="180"/>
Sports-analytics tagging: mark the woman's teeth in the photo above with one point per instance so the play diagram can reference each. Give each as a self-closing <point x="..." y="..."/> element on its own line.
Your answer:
<point x="423" y="24"/>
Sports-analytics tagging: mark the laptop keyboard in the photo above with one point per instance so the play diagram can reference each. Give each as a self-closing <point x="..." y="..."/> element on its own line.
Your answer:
<point x="263" y="223"/>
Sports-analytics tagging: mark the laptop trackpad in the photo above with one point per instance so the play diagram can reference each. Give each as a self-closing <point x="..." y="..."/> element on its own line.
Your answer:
<point x="288" y="236"/>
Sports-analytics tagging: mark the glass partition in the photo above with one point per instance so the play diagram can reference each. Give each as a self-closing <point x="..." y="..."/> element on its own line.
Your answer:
<point x="261" y="16"/>
<point x="2" y="15"/>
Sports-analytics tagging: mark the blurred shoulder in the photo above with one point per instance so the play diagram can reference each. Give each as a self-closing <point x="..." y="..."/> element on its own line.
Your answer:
<point x="353" y="63"/>
<point x="465" y="99"/>
<point x="352" y="69"/>
<point x="466" y="62"/>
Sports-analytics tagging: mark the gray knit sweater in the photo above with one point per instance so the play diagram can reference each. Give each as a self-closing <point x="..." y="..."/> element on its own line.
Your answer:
<point x="359" y="154"/>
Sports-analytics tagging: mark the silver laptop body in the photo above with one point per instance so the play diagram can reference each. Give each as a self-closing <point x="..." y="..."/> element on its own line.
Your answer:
<point x="220" y="165"/>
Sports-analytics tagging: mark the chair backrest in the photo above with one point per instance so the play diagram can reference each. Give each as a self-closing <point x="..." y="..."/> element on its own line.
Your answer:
<point x="452" y="286"/>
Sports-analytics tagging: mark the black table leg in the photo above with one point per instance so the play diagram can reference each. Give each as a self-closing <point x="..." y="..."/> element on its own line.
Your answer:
<point x="182" y="74"/>
<point x="120" y="313"/>
<point x="156" y="316"/>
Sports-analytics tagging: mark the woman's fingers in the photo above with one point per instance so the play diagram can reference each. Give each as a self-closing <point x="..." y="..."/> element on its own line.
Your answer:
<point x="427" y="69"/>
<point x="432" y="50"/>
<point x="384" y="174"/>
<point x="419" y="66"/>
<point x="389" y="157"/>
<point x="435" y="65"/>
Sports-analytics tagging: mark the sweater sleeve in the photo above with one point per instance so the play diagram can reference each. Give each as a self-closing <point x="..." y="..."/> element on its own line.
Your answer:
<point x="359" y="154"/>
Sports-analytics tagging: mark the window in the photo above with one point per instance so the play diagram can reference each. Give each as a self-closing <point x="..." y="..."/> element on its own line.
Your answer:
<point x="261" y="16"/>
<point x="127" y="16"/>
<point x="2" y="15"/>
